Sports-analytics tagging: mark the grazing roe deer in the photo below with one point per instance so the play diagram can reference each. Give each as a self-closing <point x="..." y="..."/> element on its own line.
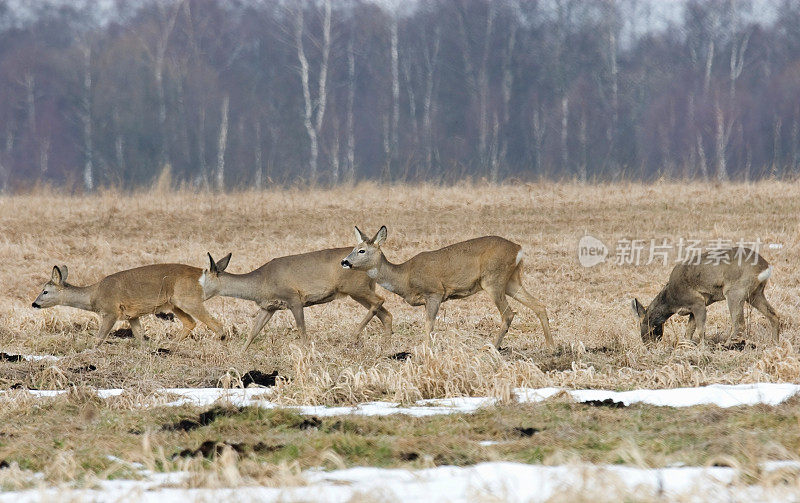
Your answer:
<point x="489" y="263"/>
<point x="736" y="275"/>
<point x="295" y="282"/>
<point x="128" y="295"/>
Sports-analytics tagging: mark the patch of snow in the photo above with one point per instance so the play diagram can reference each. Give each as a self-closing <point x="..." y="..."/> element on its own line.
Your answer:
<point x="514" y="482"/>
<point x="38" y="358"/>
<point x="721" y="395"/>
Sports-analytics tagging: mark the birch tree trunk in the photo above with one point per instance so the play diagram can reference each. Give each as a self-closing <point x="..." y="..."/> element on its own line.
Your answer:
<point x="335" y="164"/>
<point x="313" y="116"/>
<point x="709" y="64"/>
<point x="721" y="139"/>
<point x="322" y="92"/>
<point x="777" y="124"/>
<point x="29" y="82"/>
<point x="119" y="143"/>
<point x="611" y="132"/>
<point x="386" y="174"/>
<point x="222" y="144"/>
<point x="795" y="138"/>
<point x="431" y="60"/>
<point x="308" y="108"/>
<point x="86" y="119"/>
<point x="564" y="134"/>
<point x="538" y="132"/>
<point x="692" y="162"/>
<point x="395" y="88"/>
<point x="582" y="172"/>
<point x="350" y="168"/>
<point x="257" y="157"/>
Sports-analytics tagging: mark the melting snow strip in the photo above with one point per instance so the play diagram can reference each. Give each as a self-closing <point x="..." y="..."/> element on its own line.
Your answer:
<point x="722" y="395"/>
<point x="497" y="480"/>
<point x="28" y="358"/>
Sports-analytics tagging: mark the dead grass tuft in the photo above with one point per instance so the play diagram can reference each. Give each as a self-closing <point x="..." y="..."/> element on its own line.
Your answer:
<point x="778" y="364"/>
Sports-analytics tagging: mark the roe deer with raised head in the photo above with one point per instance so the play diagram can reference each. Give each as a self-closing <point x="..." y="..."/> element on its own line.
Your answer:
<point x="294" y="282"/>
<point x="736" y="275"/>
<point x="128" y="295"/>
<point x="489" y="263"/>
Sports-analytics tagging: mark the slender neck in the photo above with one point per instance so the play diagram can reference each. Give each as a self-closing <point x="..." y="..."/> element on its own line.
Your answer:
<point x="78" y="296"/>
<point x="660" y="309"/>
<point x="241" y="286"/>
<point x="391" y="276"/>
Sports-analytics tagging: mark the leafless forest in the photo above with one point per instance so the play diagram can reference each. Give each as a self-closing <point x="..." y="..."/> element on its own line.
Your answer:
<point x="231" y="94"/>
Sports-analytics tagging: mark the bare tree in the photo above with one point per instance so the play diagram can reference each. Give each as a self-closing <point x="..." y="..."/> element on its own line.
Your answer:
<point x="478" y="75"/>
<point x="506" y="88"/>
<point x="431" y="59"/>
<point x="563" y="26"/>
<point x="314" y="113"/>
<point x="538" y="131"/>
<point x="722" y="136"/>
<point x="777" y="156"/>
<point x="119" y="141"/>
<point x="795" y="139"/>
<point x="222" y="143"/>
<point x="350" y="168"/>
<point x="612" y="23"/>
<point x="5" y="160"/>
<point x="258" y="156"/>
<point x="724" y="125"/>
<point x="409" y="75"/>
<point x="335" y="163"/>
<point x="85" y="113"/>
<point x="395" y="146"/>
<point x="44" y="156"/>
<point x="157" y="55"/>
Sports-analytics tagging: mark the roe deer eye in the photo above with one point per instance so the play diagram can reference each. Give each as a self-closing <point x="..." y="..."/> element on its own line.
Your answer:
<point x="362" y="251"/>
<point x="45" y="292"/>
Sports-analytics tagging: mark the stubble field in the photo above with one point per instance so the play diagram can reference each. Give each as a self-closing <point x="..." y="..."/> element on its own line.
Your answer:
<point x="596" y="335"/>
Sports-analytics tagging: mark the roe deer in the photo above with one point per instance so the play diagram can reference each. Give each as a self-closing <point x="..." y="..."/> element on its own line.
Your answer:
<point x="488" y="263"/>
<point x="127" y="295"/>
<point x="294" y="282"/>
<point x="737" y="275"/>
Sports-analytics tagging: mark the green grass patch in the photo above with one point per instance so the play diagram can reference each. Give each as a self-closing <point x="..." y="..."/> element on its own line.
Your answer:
<point x="547" y="432"/>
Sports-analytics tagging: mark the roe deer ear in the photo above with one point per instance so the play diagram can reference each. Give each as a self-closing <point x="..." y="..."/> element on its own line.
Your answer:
<point x="223" y="262"/>
<point x="64" y="273"/>
<point x="380" y="237"/>
<point x="212" y="266"/>
<point x="360" y="236"/>
<point x="57" y="277"/>
<point x="638" y="308"/>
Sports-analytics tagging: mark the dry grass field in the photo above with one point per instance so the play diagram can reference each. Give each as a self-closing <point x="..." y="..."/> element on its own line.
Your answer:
<point x="596" y="334"/>
<point x="597" y="337"/>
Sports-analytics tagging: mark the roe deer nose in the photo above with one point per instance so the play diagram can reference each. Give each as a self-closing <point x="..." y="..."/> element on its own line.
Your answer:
<point x="345" y="264"/>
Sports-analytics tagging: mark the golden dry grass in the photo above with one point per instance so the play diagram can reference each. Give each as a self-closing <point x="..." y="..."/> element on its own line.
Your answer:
<point x="596" y="335"/>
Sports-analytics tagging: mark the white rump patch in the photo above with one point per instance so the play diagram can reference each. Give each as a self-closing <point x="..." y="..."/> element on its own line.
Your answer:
<point x="202" y="280"/>
<point x="519" y="257"/>
<point x="765" y="274"/>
